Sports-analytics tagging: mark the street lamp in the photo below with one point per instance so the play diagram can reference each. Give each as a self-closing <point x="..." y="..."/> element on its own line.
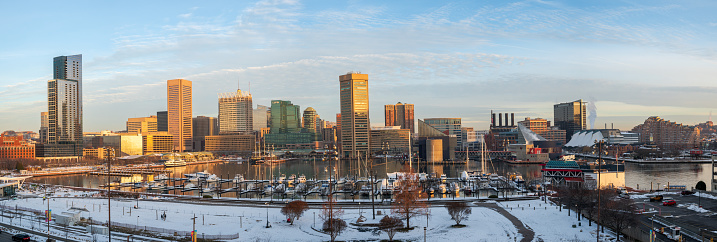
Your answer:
<point x="268" y="225"/>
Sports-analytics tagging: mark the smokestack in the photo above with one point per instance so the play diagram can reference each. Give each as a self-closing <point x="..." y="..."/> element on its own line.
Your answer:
<point x="605" y="125"/>
<point x="612" y="125"/>
<point x="512" y="119"/>
<point x="492" y="118"/>
<point x="500" y="119"/>
<point x="506" y="119"/>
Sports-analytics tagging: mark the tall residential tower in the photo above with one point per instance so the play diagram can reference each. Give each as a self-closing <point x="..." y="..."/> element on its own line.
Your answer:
<point x="179" y="113"/>
<point x="400" y="115"/>
<point x="235" y="113"/>
<point x="570" y="116"/>
<point x="64" y="98"/>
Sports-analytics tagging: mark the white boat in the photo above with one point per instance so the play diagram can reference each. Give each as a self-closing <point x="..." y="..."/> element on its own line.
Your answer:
<point x="173" y="162"/>
<point x="238" y="178"/>
<point x="200" y="174"/>
<point x="443" y="178"/>
<point x="302" y="179"/>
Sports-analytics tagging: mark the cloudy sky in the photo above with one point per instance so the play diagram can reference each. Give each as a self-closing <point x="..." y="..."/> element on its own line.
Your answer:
<point x="451" y="59"/>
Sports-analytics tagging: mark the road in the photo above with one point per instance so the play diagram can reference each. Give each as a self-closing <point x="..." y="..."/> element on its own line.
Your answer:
<point x="680" y="215"/>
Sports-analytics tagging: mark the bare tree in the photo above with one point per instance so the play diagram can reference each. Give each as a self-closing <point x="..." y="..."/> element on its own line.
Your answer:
<point x="294" y="210"/>
<point x="334" y="227"/>
<point x="408" y="203"/>
<point x="459" y="211"/>
<point x="619" y="214"/>
<point x="390" y="225"/>
<point x="333" y="224"/>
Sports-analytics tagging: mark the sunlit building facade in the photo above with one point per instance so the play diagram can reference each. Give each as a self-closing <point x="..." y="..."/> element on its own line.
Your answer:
<point x="64" y="96"/>
<point x="179" y="113"/>
<point x="355" y="123"/>
<point x="235" y="113"/>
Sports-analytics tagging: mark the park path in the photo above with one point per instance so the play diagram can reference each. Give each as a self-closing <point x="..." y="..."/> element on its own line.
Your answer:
<point x="528" y="234"/>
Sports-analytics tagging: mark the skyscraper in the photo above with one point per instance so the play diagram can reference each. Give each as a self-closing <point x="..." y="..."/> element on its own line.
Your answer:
<point x="162" y="121"/>
<point x="44" y="126"/>
<point x="570" y="116"/>
<point x="261" y="117"/>
<point x="203" y="126"/>
<point x="64" y="97"/>
<point x="311" y="122"/>
<point x="235" y="113"/>
<point x="179" y="113"/>
<point x="400" y="115"/>
<point x="355" y="123"/>
<point x="286" y="125"/>
<point x="142" y="125"/>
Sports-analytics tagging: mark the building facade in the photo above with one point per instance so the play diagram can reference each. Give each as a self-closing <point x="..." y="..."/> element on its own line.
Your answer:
<point x="570" y="116"/>
<point x="142" y="125"/>
<point x="311" y="123"/>
<point x="449" y="126"/>
<point x="179" y="113"/>
<point x="15" y="147"/>
<point x="666" y="134"/>
<point x="230" y="143"/>
<point x="124" y="144"/>
<point x="260" y="117"/>
<point x="542" y="127"/>
<point x="236" y="113"/>
<point x="286" y="125"/>
<point x="203" y="126"/>
<point x="393" y="139"/>
<point x="64" y="96"/>
<point x="160" y="142"/>
<point x="355" y="122"/>
<point x="44" y="126"/>
<point x="162" y="121"/>
<point x="401" y="115"/>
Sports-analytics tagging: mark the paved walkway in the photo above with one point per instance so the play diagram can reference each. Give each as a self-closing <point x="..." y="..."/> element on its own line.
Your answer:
<point x="527" y="233"/>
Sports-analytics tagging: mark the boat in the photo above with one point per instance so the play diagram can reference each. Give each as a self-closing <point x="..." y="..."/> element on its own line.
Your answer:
<point x="302" y="179"/>
<point x="443" y="178"/>
<point x="172" y="162"/>
<point x="238" y="178"/>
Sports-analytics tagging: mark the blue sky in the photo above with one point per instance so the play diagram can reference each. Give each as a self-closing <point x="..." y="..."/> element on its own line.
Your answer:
<point x="451" y="59"/>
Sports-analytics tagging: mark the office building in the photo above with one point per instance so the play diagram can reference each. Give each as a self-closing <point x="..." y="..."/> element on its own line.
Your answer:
<point x="179" y="113"/>
<point x="286" y="125"/>
<point x="162" y="121"/>
<point x="427" y="132"/>
<point x="542" y="127"/>
<point x="124" y="144"/>
<point x="15" y="147"/>
<point x="160" y="142"/>
<point x="230" y="144"/>
<point x="392" y="139"/>
<point x="570" y="116"/>
<point x="142" y="125"/>
<point x="449" y="126"/>
<point x="64" y="96"/>
<point x="100" y="153"/>
<point x="203" y="126"/>
<point x="44" y="126"/>
<point x="400" y="115"/>
<point x="311" y="123"/>
<point x="355" y="123"/>
<point x="235" y="113"/>
<point x="261" y="117"/>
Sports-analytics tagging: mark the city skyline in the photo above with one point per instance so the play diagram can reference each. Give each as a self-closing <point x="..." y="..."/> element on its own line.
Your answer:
<point x="458" y="59"/>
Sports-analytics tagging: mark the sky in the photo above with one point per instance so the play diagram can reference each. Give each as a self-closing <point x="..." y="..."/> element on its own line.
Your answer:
<point x="633" y="59"/>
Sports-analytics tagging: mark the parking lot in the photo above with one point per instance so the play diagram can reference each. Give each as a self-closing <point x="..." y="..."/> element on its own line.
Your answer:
<point x="685" y="213"/>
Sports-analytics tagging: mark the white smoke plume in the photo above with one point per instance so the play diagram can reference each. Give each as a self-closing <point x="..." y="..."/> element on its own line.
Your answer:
<point x="593" y="111"/>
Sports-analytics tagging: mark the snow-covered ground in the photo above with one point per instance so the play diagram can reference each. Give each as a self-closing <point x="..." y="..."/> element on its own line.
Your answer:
<point x="549" y="223"/>
<point x="249" y="223"/>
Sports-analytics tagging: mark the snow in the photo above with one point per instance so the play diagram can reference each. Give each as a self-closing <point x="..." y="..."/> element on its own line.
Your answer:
<point x="693" y="207"/>
<point x="706" y="195"/>
<point x="213" y="219"/>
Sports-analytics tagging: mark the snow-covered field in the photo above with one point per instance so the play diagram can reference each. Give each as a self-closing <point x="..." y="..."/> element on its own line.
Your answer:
<point x="484" y="224"/>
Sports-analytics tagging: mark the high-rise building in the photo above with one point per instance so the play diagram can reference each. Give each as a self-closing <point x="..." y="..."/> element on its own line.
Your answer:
<point x="311" y="123"/>
<point x="162" y="121"/>
<point x="64" y="96"/>
<point x="44" y="126"/>
<point x="142" y="125"/>
<point x="400" y="115"/>
<point x="666" y="134"/>
<point x="203" y="126"/>
<point x="179" y="113"/>
<point x="570" y="116"/>
<point x="160" y="142"/>
<point x="449" y="126"/>
<point x="286" y="125"/>
<point x="235" y="113"/>
<point x="355" y="123"/>
<point x="542" y="127"/>
<point x="261" y="117"/>
<point x="393" y="139"/>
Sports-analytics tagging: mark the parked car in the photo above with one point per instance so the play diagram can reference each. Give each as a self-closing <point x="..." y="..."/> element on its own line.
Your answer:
<point x="669" y="203"/>
<point x="686" y="192"/>
<point x="657" y="198"/>
<point x="21" y="237"/>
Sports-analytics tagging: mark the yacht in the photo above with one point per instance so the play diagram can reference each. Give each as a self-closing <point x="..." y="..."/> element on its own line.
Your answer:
<point x="172" y="162"/>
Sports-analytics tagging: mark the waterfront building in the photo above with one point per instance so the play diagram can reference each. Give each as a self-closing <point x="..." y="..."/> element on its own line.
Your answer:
<point x="44" y="126"/>
<point x="570" y="116"/>
<point x="162" y="121"/>
<point x="64" y="96"/>
<point x="235" y="113"/>
<point x="15" y="147"/>
<point x="449" y="126"/>
<point x="286" y="125"/>
<point x="393" y="139"/>
<point x="260" y="117"/>
<point x="142" y="125"/>
<point x="100" y="153"/>
<point x="311" y="123"/>
<point x="179" y="114"/>
<point x="355" y="122"/>
<point x="203" y="126"/>
<point x="124" y="144"/>
<point x="428" y="132"/>
<point x="160" y="142"/>
<point x="667" y="134"/>
<point x="338" y="131"/>
<point x="230" y="144"/>
<point x="401" y="115"/>
<point x="542" y="127"/>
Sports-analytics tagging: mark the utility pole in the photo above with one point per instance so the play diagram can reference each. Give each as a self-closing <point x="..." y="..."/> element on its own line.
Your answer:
<point x="599" y="143"/>
<point x="373" y="193"/>
<point x="109" y="198"/>
<point x="194" y="228"/>
<point x="49" y="214"/>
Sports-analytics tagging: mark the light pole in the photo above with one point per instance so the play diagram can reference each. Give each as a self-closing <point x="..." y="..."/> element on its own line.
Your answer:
<point x="109" y="199"/>
<point x="267" y="216"/>
<point x="194" y="227"/>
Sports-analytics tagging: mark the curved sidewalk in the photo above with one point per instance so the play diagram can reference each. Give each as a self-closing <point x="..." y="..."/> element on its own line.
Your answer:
<point x="528" y="234"/>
